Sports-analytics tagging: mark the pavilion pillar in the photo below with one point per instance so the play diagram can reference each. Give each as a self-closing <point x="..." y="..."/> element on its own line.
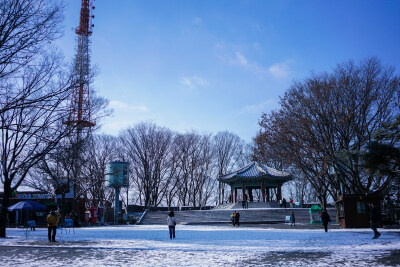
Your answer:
<point x="243" y="191"/>
<point x="279" y="193"/>
<point x="235" y="195"/>
<point x="231" y="194"/>
<point x="250" y="191"/>
<point x="263" y="191"/>
<point x="268" y="194"/>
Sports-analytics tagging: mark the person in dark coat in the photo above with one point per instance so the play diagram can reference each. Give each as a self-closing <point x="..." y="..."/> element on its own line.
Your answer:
<point x="292" y="219"/>
<point x="374" y="220"/>
<point x="237" y="218"/>
<point x="34" y="218"/>
<point x="325" y="219"/>
<point x="284" y="203"/>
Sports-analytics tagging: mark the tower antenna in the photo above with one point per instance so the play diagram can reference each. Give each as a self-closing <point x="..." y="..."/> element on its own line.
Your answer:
<point x="79" y="111"/>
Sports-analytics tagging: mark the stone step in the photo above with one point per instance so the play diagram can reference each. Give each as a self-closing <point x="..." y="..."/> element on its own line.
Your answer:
<point x="263" y="215"/>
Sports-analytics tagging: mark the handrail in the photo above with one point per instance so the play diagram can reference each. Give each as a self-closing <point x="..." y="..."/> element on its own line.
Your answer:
<point x="141" y="217"/>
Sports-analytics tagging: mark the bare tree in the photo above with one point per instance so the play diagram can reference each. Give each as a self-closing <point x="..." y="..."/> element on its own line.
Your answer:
<point x="27" y="28"/>
<point x="30" y="132"/>
<point x="230" y="154"/>
<point x="328" y="120"/>
<point x="102" y="150"/>
<point x="147" y="147"/>
<point x="195" y="163"/>
<point x="33" y="86"/>
<point x="71" y="166"/>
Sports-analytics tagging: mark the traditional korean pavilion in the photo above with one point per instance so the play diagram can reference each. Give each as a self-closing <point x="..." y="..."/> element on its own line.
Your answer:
<point x="258" y="177"/>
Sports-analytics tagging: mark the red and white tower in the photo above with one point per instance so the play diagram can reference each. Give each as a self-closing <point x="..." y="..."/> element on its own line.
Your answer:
<point x="79" y="113"/>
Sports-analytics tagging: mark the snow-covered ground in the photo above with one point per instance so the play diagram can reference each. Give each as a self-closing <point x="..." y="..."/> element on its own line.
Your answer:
<point x="200" y="246"/>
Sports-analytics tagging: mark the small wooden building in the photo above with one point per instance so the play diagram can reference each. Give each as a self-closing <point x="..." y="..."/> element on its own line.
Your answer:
<point x="354" y="209"/>
<point x="255" y="176"/>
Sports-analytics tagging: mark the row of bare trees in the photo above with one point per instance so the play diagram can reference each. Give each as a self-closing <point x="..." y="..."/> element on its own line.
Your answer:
<point x="325" y="124"/>
<point x="178" y="169"/>
<point x="166" y="168"/>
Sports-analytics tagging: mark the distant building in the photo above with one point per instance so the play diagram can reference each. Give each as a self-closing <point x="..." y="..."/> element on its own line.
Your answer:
<point x="354" y="209"/>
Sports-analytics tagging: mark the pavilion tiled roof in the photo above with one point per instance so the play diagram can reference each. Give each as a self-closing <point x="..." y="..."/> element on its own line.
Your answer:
<point x="253" y="171"/>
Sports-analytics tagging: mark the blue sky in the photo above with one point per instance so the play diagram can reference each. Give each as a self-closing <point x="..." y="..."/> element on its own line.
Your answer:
<point x="211" y="65"/>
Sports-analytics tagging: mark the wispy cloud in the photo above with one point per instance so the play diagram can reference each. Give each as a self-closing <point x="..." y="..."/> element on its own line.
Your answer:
<point x="279" y="70"/>
<point x="260" y="107"/>
<point x="197" y="21"/>
<point x="118" y="105"/>
<point x="194" y="81"/>
<point x="240" y="60"/>
<point x="114" y="126"/>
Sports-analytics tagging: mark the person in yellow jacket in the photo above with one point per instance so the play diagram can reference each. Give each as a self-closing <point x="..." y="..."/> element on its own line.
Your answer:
<point x="52" y="221"/>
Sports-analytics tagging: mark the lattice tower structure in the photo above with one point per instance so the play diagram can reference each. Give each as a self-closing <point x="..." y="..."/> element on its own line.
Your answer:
<point x="79" y="113"/>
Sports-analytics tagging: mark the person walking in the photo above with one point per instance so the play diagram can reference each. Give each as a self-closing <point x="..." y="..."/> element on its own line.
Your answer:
<point x="291" y="203"/>
<point x="237" y="218"/>
<point x="52" y="221"/>
<point x="325" y="219"/>
<point x="171" y="221"/>
<point x="233" y="215"/>
<point x="292" y="219"/>
<point x="374" y="220"/>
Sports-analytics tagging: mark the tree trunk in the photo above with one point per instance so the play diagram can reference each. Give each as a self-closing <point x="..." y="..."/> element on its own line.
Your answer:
<point x="4" y="210"/>
<point x="337" y="212"/>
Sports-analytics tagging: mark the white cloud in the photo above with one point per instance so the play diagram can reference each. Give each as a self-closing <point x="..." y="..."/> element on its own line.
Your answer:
<point x="260" y="107"/>
<point x="240" y="60"/>
<point x="194" y="81"/>
<point x="121" y="106"/>
<point x="279" y="70"/>
<point x="113" y="126"/>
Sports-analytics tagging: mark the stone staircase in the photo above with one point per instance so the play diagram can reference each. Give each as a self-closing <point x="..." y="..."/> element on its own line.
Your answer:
<point x="222" y="216"/>
<point x="256" y="205"/>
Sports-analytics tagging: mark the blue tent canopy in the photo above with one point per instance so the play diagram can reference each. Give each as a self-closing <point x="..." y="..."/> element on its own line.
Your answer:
<point x="27" y="205"/>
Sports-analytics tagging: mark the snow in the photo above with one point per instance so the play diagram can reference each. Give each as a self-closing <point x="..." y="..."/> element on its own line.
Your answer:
<point x="149" y="245"/>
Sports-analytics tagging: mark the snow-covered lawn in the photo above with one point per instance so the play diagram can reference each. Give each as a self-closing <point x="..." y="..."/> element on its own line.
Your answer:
<point x="200" y="246"/>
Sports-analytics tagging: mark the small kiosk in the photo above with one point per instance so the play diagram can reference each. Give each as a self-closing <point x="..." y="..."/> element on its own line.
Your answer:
<point x="354" y="209"/>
